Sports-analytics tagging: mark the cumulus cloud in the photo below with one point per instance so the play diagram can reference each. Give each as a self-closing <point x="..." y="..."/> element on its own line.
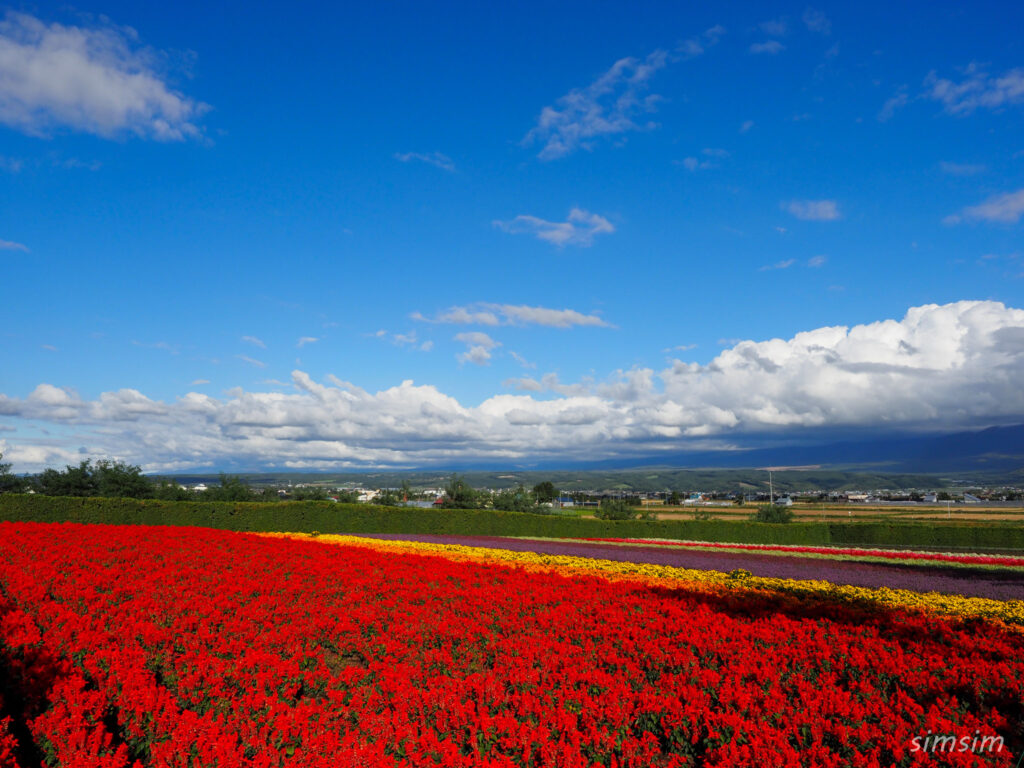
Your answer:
<point x="813" y="210"/>
<point x="977" y="90"/>
<point x="955" y="366"/>
<point x="580" y="228"/>
<point x="817" y="261"/>
<point x="9" y="245"/>
<point x="436" y="159"/>
<point x="768" y="46"/>
<point x="612" y="104"/>
<point x="484" y="313"/>
<point x="303" y="341"/>
<point x="1002" y="209"/>
<point x="96" y="80"/>
<point x="478" y="347"/>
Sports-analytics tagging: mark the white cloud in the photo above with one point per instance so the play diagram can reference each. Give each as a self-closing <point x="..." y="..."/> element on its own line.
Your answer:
<point x="514" y="314"/>
<point x="96" y="80"/>
<point x="48" y="347"/>
<point x="404" y="339"/>
<point x="521" y="360"/>
<point x="769" y="46"/>
<point x="256" y="342"/>
<point x="436" y="159"/>
<point x="8" y="245"/>
<point x="478" y="347"/>
<point x="251" y="361"/>
<point x="695" y="46"/>
<point x="608" y="106"/>
<point x="978" y="90"/>
<point x="817" y="261"/>
<point x="779" y="265"/>
<point x="303" y="341"/>
<point x="199" y="382"/>
<point x="426" y="346"/>
<point x="816" y="21"/>
<point x="705" y="162"/>
<point x="813" y="210"/>
<point x="962" y="169"/>
<point x="891" y="105"/>
<point x="1003" y="209"/>
<point x="580" y="228"/>
<point x="950" y="366"/>
<point x="477" y="338"/>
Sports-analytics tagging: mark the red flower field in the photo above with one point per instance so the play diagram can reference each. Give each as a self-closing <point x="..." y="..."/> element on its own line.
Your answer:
<point x="126" y="646"/>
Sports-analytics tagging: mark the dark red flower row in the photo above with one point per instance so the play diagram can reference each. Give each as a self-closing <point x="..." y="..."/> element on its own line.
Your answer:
<point x="193" y="647"/>
<point x="832" y="551"/>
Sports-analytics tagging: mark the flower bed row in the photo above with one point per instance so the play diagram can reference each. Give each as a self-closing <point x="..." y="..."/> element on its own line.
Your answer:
<point x="887" y="554"/>
<point x="141" y="646"/>
<point x="1010" y="612"/>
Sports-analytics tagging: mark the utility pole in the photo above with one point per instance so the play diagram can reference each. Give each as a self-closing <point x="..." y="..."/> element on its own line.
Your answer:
<point x="771" y="490"/>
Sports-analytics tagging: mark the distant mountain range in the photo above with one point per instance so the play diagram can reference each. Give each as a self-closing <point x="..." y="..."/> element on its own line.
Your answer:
<point x="992" y="456"/>
<point x="996" y="449"/>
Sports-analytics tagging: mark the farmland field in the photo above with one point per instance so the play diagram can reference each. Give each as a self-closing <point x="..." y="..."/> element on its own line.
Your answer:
<point x="154" y="646"/>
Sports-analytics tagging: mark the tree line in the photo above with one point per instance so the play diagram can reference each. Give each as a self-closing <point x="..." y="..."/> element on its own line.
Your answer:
<point x="117" y="479"/>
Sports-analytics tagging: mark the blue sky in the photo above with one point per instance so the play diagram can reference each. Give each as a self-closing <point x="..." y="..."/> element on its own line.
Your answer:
<point x="577" y="231"/>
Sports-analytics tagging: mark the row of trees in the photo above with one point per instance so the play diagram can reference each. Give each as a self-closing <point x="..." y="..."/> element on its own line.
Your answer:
<point x="117" y="479"/>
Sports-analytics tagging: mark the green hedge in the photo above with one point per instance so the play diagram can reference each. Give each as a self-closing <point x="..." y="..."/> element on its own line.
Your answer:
<point x="329" y="517"/>
<point x="965" y="537"/>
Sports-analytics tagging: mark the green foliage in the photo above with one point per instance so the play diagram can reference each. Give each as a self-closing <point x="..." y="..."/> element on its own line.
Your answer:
<point x="514" y="500"/>
<point x="366" y="518"/>
<point x="9" y="482"/>
<point x="231" y="488"/>
<point x="619" y="509"/>
<point x="388" y="498"/>
<point x="308" y="493"/>
<point x="458" y="494"/>
<point x="169" y="491"/>
<point x="675" y="499"/>
<point x="702" y="515"/>
<point x="72" y="481"/>
<point x="773" y="513"/>
<point x="545" y="492"/>
<point x="115" y="479"/>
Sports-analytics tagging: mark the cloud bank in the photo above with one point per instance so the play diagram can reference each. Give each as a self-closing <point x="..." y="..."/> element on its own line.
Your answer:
<point x="951" y="366"/>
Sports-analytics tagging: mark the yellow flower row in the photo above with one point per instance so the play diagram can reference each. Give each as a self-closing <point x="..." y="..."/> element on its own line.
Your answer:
<point x="1008" y="611"/>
